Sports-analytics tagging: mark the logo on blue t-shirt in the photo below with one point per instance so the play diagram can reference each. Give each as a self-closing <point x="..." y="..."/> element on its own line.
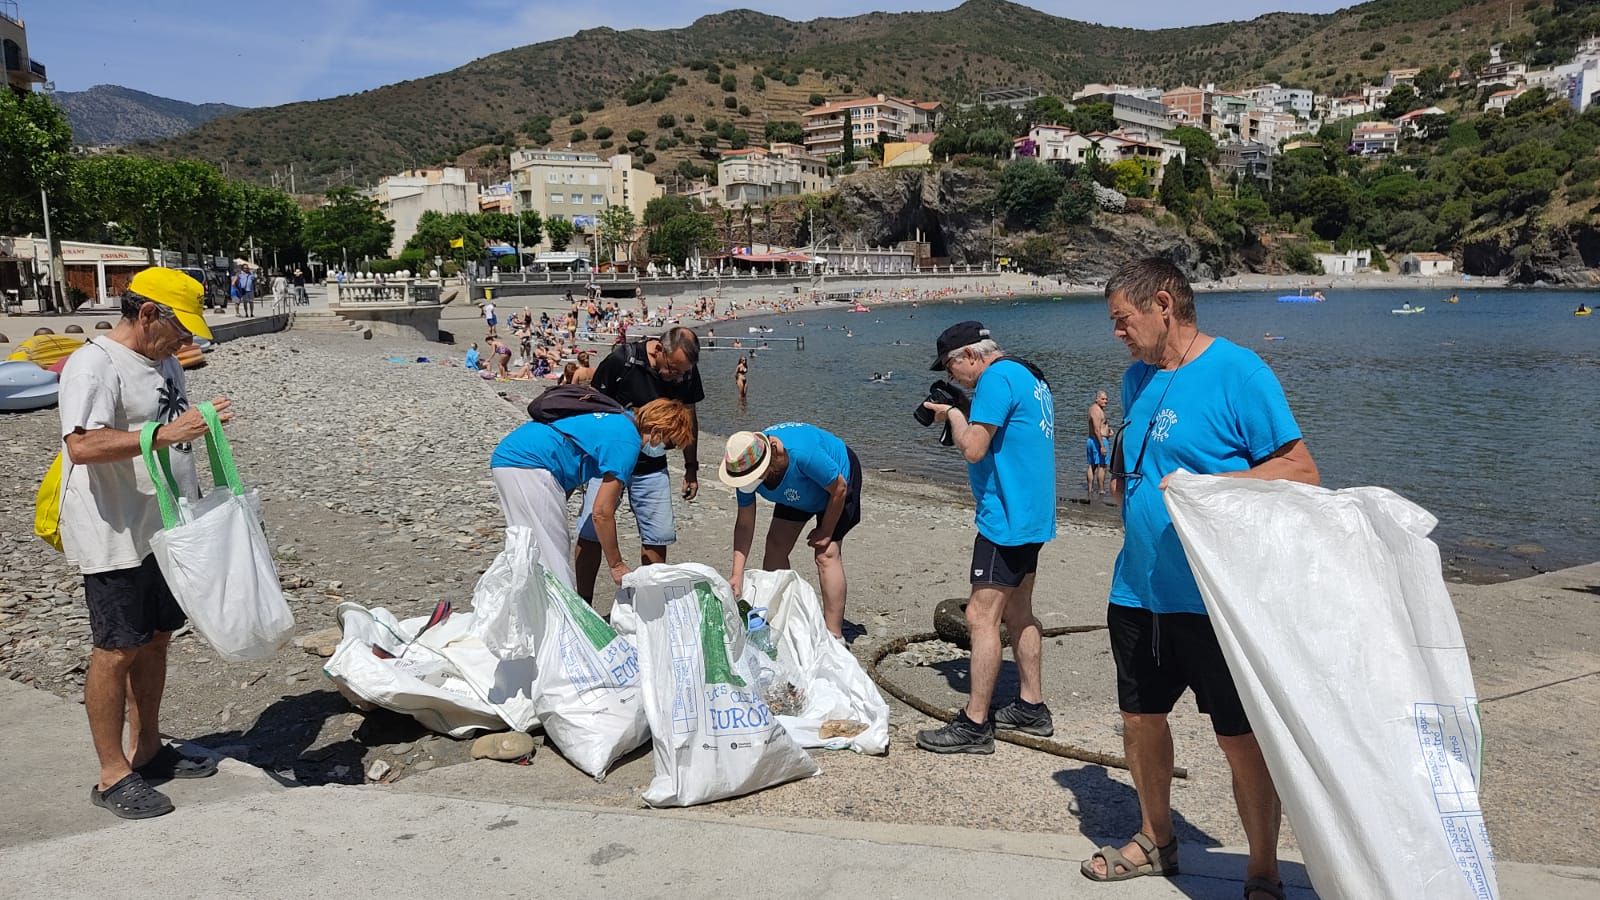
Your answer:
<point x="1162" y="428"/>
<point x="1047" y="410"/>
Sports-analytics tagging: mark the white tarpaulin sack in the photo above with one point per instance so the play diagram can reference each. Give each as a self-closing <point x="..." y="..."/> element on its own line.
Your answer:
<point x="214" y="554"/>
<point x="509" y="600"/>
<point x="403" y="677"/>
<point x="589" y="698"/>
<point x="712" y="735"/>
<point x="1344" y="644"/>
<point x="834" y="689"/>
<point x="507" y="685"/>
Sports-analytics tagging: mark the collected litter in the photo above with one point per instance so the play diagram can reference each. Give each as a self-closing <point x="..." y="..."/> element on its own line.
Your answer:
<point x="1343" y="641"/>
<point x="712" y="735"/>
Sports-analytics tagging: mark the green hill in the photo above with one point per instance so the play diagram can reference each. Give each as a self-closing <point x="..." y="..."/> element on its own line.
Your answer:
<point x="491" y="105"/>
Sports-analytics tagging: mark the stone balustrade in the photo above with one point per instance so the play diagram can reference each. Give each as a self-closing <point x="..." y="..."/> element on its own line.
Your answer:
<point x="410" y="292"/>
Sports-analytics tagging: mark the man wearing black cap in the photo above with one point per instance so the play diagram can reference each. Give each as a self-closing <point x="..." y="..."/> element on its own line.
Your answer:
<point x="1008" y="440"/>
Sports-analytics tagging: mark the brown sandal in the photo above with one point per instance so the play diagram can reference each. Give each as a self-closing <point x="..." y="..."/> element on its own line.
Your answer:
<point x="1161" y="861"/>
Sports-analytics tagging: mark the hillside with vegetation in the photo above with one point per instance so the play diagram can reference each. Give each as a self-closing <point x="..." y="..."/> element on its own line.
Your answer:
<point x="111" y="114"/>
<point x="539" y="95"/>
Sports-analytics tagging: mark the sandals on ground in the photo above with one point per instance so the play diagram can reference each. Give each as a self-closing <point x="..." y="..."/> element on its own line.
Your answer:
<point x="169" y="763"/>
<point x="1161" y="861"/>
<point x="131" y="798"/>
<point x="1273" y="889"/>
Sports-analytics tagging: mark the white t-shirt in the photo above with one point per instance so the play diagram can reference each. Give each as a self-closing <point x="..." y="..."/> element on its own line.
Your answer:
<point x="109" y="510"/>
<point x="488" y="311"/>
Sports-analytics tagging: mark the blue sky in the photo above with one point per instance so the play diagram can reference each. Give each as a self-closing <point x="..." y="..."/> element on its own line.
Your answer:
<point x="278" y="51"/>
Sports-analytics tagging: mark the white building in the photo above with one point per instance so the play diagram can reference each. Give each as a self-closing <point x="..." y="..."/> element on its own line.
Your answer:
<point x="1348" y="263"/>
<point x="1348" y="107"/>
<point x="1499" y="99"/>
<point x="579" y="186"/>
<point x="755" y="176"/>
<point x="1426" y="264"/>
<point x="1054" y="143"/>
<point x="405" y="197"/>
<point x="1299" y="101"/>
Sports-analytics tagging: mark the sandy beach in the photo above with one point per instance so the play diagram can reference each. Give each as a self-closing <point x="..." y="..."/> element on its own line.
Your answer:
<point x="377" y="487"/>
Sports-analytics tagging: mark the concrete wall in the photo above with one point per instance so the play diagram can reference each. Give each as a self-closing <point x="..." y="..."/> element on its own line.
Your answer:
<point x="412" y="322"/>
<point x="239" y="328"/>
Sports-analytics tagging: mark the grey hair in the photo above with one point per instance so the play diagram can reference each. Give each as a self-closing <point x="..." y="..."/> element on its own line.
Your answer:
<point x="985" y="347"/>
<point x="1140" y="280"/>
<point x="682" y="338"/>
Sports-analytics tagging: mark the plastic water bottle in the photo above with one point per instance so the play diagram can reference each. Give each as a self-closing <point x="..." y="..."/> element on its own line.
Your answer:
<point x="760" y="634"/>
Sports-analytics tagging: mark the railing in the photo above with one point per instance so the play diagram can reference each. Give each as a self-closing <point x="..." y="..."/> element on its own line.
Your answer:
<point x="37" y="68"/>
<point x="391" y="293"/>
<point x="629" y="278"/>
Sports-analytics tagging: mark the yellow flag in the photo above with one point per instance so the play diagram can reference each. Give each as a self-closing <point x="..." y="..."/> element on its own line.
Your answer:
<point x="457" y="243"/>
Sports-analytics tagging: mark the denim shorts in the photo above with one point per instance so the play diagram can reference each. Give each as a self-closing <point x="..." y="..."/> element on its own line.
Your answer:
<point x="650" y="498"/>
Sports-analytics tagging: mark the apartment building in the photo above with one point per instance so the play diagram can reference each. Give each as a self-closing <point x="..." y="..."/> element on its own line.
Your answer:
<point x="1189" y="105"/>
<point x="1396" y="77"/>
<point x="1298" y="101"/>
<point x="1372" y="138"/>
<point x="1134" y="112"/>
<point x="406" y="196"/>
<point x="863" y="119"/>
<point x="1265" y="127"/>
<point x="578" y="186"/>
<point x="22" y="70"/>
<point x="1055" y="143"/>
<point x="1092" y="90"/>
<point x="757" y="175"/>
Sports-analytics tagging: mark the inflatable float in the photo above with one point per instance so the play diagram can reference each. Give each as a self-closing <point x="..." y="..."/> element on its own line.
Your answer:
<point x="44" y="350"/>
<point x="25" y="386"/>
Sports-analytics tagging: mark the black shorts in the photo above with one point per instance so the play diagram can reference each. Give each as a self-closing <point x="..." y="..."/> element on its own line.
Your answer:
<point x="848" y="519"/>
<point x="1002" y="566"/>
<point x="128" y="606"/>
<point x="1159" y="656"/>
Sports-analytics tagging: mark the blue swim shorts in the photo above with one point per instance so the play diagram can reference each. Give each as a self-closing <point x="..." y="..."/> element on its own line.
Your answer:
<point x="1095" y="452"/>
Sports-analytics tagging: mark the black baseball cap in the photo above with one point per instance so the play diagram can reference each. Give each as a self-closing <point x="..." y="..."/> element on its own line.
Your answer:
<point x="959" y="335"/>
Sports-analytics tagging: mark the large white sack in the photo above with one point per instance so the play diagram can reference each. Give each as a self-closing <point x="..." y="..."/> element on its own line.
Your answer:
<point x="508" y="601"/>
<point x="712" y="735"/>
<point x="1341" y="637"/>
<point x="421" y="683"/>
<point x="832" y="682"/>
<point x="589" y="697"/>
<point x="507" y="685"/>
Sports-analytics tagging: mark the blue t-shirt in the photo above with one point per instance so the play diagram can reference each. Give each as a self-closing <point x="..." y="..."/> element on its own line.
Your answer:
<point x="816" y="460"/>
<point x="1015" y="482"/>
<point x="574" y="450"/>
<point x="1223" y="412"/>
<point x="472" y="357"/>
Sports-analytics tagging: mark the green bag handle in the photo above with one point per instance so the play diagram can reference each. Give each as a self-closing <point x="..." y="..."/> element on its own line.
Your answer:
<point x="160" y="476"/>
<point x="220" y="453"/>
<point x="224" y="473"/>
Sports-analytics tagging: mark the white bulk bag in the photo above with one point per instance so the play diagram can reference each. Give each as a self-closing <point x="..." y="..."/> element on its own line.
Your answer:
<point x="508" y="601"/>
<point x="712" y="735"/>
<point x="416" y="682"/>
<point x="214" y="554"/>
<point x="830" y="678"/>
<point x="588" y="698"/>
<point x="506" y="685"/>
<point x="1344" y="644"/>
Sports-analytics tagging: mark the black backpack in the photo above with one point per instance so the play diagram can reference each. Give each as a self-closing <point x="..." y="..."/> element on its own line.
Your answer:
<point x="564" y="401"/>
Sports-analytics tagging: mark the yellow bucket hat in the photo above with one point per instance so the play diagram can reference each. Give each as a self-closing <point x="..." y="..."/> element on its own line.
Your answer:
<point x="177" y="292"/>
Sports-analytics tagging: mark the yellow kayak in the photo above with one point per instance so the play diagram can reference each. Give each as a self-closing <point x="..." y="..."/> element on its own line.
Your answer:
<point x="45" y="350"/>
<point x="1583" y="313"/>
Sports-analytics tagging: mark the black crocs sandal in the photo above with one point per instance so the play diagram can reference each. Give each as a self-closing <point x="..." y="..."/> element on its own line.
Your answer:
<point x="169" y="763"/>
<point x="131" y="798"/>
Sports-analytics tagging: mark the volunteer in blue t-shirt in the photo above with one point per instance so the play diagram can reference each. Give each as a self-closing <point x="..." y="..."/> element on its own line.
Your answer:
<point x="537" y="465"/>
<point x="807" y="472"/>
<point x="1008" y="439"/>
<point x="1200" y="403"/>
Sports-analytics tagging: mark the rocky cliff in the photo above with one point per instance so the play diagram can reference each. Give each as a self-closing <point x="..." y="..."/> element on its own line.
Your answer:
<point x="1536" y="253"/>
<point x="953" y="209"/>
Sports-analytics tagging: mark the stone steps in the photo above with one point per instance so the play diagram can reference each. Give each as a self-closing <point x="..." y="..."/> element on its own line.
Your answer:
<point x="326" y="322"/>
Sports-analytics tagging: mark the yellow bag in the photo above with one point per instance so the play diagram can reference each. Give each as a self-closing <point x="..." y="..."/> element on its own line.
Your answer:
<point x="47" y="506"/>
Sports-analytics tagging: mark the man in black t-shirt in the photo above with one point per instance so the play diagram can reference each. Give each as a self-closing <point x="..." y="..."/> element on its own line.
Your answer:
<point x="633" y="374"/>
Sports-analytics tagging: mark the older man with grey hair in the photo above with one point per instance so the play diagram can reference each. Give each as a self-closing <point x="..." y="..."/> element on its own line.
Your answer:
<point x="634" y="374"/>
<point x="1008" y="440"/>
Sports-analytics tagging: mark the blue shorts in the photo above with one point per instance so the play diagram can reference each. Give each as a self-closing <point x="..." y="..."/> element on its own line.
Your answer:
<point x="650" y="499"/>
<point x="1095" y="452"/>
<point x="492" y="321"/>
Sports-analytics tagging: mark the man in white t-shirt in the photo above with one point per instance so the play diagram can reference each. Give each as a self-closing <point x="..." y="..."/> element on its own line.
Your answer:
<point x="109" y="513"/>
<point x="489" y="319"/>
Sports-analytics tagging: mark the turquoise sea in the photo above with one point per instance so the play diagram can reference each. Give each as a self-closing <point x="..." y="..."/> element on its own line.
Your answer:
<point x="1486" y="412"/>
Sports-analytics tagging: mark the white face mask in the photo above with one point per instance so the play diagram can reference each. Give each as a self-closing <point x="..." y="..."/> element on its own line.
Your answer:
<point x="651" y="448"/>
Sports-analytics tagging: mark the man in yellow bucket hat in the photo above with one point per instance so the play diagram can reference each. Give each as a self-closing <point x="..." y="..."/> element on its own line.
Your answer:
<point x="109" y="389"/>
